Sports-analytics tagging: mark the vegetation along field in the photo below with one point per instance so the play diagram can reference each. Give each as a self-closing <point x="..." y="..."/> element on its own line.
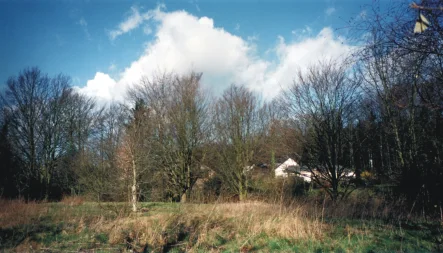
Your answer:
<point x="76" y="226"/>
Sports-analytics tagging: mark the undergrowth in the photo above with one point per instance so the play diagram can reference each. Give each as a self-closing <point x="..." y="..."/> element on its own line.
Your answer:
<point x="303" y="226"/>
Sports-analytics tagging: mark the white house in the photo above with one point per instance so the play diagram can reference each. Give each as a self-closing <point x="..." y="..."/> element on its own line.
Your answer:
<point x="306" y="175"/>
<point x="291" y="167"/>
<point x="281" y="171"/>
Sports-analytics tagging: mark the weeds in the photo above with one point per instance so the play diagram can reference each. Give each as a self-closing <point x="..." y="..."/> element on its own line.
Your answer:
<point x="18" y="212"/>
<point x="306" y="226"/>
<point x="72" y="200"/>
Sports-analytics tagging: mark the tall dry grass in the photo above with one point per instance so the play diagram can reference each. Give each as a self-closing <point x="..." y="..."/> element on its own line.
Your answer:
<point x="358" y="206"/>
<point x="18" y="212"/>
<point x="73" y="200"/>
<point x="202" y="224"/>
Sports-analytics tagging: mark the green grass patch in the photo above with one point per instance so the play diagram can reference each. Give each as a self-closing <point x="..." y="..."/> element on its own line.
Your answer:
<point x="93" y="226"/>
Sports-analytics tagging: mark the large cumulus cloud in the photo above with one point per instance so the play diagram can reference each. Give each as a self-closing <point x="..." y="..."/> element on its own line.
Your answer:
<point x="184" y="43"/>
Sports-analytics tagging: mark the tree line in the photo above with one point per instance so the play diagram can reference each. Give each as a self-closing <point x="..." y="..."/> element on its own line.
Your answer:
<point x="378" y="114"/>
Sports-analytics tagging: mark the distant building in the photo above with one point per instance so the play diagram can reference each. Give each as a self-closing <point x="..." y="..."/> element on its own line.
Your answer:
<point x="306" y="175"/>
<point x="284" y="169"/>
<point x="291" y="167"/>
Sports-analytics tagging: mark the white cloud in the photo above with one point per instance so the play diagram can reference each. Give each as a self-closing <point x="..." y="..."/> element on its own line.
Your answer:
<point x="300" y="55"/>
<point x="302" y="33"/>
<point x="130" y="23"/>
<point x="82" y="22"/>
<point x="133" y="21"/>
<point x="252" y="38"/>
<point x="184" y="43"/>
<point x="147" y="30"/>
<point x="329" y="11"/>
<point x="102" y="87"/>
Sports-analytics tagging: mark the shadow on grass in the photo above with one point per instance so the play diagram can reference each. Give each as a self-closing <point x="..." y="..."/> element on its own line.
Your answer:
<point x="40" y="233"/>
<point x="381" y="237"/>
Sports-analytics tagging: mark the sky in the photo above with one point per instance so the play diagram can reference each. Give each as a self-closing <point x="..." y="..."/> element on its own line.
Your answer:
<point x="107" y="46"/>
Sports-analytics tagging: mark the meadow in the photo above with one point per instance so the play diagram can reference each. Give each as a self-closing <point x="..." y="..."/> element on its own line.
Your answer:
<point x="356" y="225"/>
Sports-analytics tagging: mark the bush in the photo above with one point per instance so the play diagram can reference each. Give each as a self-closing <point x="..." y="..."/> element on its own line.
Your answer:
<point x="278" y="189"/>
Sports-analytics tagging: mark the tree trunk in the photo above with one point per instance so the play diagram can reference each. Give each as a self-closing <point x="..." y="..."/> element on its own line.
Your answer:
<point x="242" y="195"/>
<point x="242" y="190"/>
<point x="188" y="183"/>
<point x="134" y="198"/>
<point x="134" y="187"/>
<point x="183" y="197"/>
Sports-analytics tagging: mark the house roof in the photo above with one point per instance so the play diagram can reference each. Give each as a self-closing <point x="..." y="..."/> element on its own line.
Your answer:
<point x="286" y="164"/>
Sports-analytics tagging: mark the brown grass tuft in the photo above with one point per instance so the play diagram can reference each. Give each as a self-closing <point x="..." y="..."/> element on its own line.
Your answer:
<point x="73" y="200"/>
<point x="203" y="223"/>
<point x="18" y="212"/>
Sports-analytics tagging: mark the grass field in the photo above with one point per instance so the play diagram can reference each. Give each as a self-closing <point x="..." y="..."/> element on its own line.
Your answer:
<point x="76" y="226"/>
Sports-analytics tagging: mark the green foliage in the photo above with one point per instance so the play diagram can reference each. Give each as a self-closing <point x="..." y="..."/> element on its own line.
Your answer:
<point x="102" y="238"/>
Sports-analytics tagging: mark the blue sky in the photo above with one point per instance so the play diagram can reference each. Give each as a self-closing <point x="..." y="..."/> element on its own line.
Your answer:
<point x="108" y="45"/>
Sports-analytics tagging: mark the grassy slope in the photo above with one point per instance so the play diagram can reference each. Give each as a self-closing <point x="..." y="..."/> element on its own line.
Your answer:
<point x="169" y="227"/>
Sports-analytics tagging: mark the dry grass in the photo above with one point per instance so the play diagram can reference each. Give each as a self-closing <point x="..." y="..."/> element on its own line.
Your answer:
<point x="193" y="225"/>
<point x="73" y="200"/>
<point x="18" y="212"/>
<point x="159" y="227"/>
<point x="357" y="206"/>
<point x="201" y="224"/>
<point x="260" y="217"/>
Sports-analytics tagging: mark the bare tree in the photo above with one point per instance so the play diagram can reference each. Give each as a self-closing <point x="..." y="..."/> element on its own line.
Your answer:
<point x="81" y="116"/>
<point x="236" y="124"/>
<point x="135" y="151"/>
<point x="189" y="122"/>
<point x="278" y="138"/>
<point x="320" y="103"/>
<point x="402" y="74"/>
<point x="99" y="173"/>
<point x="37" y="104"/>
<point x="178" y="115"/>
